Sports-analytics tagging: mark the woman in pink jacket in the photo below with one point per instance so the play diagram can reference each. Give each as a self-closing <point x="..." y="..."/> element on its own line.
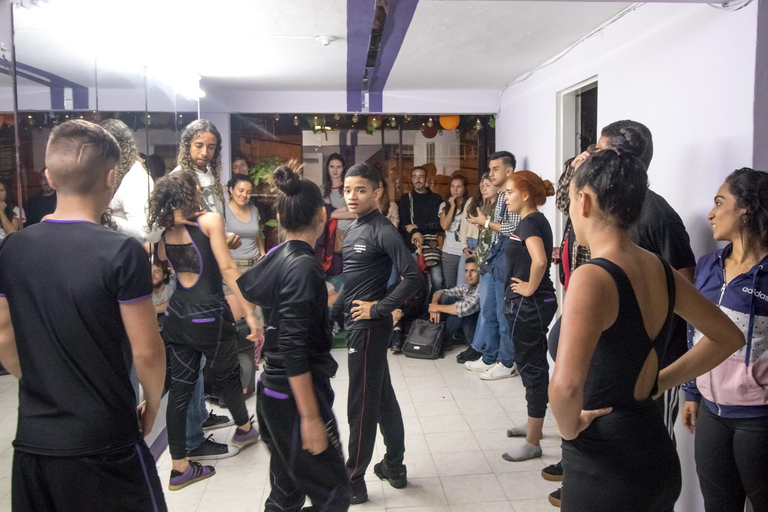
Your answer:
<point x="727" y="407"/>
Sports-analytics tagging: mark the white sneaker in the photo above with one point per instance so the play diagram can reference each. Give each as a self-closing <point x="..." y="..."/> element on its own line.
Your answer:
<point x="498" y="371"/>
<point x="477" y="366"/>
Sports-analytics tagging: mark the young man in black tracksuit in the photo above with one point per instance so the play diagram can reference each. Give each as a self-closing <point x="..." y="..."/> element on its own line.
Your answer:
<point x="371" y="246"/>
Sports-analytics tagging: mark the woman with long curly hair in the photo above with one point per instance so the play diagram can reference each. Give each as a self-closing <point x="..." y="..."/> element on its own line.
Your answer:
<point x="198" y="320"/>
<point x="133" y="186"/>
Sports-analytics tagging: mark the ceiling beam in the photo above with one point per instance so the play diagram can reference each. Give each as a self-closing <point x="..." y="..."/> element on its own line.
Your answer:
<point x="398" y="20"/>
<point x="359" y="22"/>
<point x="760" y="140"/>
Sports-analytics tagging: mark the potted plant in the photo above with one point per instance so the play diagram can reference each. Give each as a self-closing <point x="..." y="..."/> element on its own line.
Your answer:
<point x="265" y="195"/>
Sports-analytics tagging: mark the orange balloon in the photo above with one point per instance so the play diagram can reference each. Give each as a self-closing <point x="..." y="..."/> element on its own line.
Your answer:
<point x="449" y="122"/>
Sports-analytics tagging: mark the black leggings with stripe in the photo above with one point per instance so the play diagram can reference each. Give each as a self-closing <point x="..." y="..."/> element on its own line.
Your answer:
<point x="190" y="332"/>
<point x="371" y="401"/>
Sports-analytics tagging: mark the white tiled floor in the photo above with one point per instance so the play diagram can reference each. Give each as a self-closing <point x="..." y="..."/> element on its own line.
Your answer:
<point x="455" y="428"/>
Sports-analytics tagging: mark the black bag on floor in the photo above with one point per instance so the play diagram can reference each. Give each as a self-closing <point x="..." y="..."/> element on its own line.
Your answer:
<point x="246" y="359"/>
<point x="424" y="340"/>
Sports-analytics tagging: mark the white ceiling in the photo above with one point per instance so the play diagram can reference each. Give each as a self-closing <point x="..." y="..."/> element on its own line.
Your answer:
<point x="485" y="44"/>
<point x="269" y="45"/>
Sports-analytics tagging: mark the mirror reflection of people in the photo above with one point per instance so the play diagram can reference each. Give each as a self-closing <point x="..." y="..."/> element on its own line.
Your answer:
<point x="10" y="215"/>
<point x="42" y="204"/>
<point x="133" y="186"/>
<point x="240" y="165"/>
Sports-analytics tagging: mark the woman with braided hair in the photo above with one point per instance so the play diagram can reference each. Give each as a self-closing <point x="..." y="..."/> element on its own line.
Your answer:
<point x="133" y="186"/>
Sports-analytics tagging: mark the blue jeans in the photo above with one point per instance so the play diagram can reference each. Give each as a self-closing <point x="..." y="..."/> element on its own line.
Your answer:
<point x="496" y="329"/>
<point x="479" y="343"/>
<point x="197" y="412"/>
<point x="454" y="324"/>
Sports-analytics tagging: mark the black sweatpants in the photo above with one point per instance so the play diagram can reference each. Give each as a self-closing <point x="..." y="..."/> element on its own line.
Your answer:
<point x="294" y="472"/>
<point x="732" y="461"/>
<point x="529" y="319"/>
<point x="371" y="401"/>
<point x="124" y="480"/>
<point x="190" y="332"/>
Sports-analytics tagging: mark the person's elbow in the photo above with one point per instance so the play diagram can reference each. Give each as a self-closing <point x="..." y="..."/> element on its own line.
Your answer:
<point x="735" y="339"/>
<point x="150" y="353"/>
<point x="563" y="389"/>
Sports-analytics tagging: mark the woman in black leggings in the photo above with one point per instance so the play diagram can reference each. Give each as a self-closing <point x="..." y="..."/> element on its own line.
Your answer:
<point x="198" y="319"/>
<point x="294" y="393"/>
<point x="617" y="454"/>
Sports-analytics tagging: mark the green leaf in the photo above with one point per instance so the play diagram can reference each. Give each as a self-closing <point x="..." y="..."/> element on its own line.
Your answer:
<point x="272" y="223"/>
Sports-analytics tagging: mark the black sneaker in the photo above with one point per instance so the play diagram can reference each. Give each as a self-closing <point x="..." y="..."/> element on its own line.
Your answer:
<point x="554" y="497"/>
<point x="397" y="476"/>
<point x="468" y="355"/>
<point x="553" y="472"/>
<point x="215" y="421"/>
<point x="359" y="492"/>
<point x="211" y="450"/>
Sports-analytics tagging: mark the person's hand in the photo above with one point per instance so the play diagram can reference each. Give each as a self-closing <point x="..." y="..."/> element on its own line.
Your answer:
<point x="314" y="439"/>
<point x="397" y="315"/>
<point x="178" y="218"/>
<point x="361" y="310"/>
<point x="521" y="287"/>
<point x="451" y="202"/>
<point x="690" y="412"/>
<point x="233" y="241"/>
<point x="478" y="220"/>
<point x="469" y="253"/>
<point x="146" y="418"/>
<point x="256" y="330"/>
<point x="411" y="227"/>
<point x="580" y="158"/>
<point x="586" y="418"/>
<point x="417" y="239"/>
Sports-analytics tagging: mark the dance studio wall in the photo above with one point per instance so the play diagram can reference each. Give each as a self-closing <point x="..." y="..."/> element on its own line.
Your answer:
<point x="687" y="72"/>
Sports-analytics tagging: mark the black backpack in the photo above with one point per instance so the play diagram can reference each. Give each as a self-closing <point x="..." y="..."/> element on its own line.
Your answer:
<point x="424" y="340"/>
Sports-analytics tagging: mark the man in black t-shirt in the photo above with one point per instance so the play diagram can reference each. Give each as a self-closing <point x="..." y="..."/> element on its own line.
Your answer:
<point x="75" y="308"/>
<point x="423" y="220"/>
<point x="42" y="204"/>
<point x="661" y="231"/>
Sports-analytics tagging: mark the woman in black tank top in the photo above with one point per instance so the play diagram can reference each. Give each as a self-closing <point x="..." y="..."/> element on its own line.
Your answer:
<point x="617" y="454"/>
<point x="198" y="319"/>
